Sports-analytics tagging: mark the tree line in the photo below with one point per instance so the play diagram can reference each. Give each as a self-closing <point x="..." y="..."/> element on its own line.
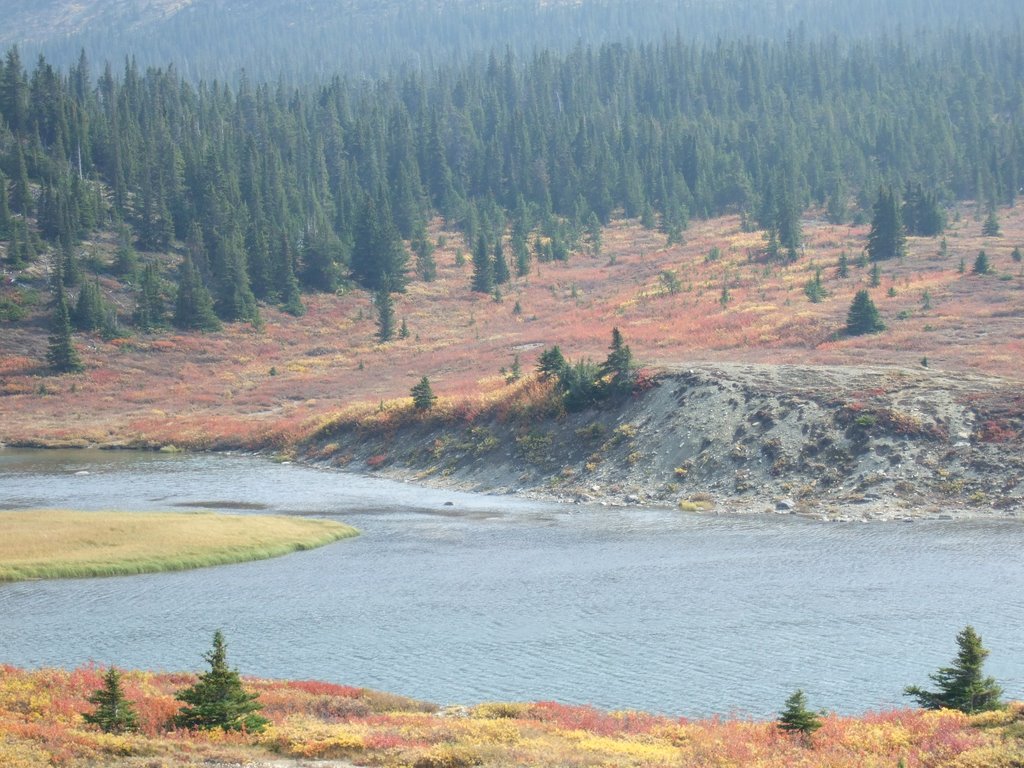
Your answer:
<point x="267" y="191"/>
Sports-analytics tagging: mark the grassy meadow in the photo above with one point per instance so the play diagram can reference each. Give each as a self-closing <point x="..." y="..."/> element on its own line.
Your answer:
<point x="41" y="726"/>
<point x="50" y="544"/>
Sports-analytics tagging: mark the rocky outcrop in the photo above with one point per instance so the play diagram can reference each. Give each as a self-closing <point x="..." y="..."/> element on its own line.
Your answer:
<point x="834" y="442"/>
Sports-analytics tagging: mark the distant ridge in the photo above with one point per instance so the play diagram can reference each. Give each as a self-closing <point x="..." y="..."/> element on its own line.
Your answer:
<point x="317" y="39"/>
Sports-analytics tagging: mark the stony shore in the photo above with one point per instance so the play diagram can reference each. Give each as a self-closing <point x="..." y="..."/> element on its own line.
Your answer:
<point x="841" y="444"/>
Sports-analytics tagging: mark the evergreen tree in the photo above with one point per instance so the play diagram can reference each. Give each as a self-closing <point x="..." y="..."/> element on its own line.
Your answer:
<point x="522" y="255"/>
<point x="423" y="397"/>
<point x="483" y="269"/>
<point x="5" y="211"/>
<point x="385" y="314"/>
<point x="426" y="267"/>
<point x="580" y="385"/>
<point x="796" y="718"/>
<point x="961" y="686"/>
<point x="234" y="299"/>
<point x="70" y="268"/>
<point x="291" y="297"/>
<point x="991" y="226"/>
<point x="61" y="354"/>
<point x="217" y="699"/>
<point x="150" y="312"/>
<point x="813" y="289"/>
<point x="981" y="264"/>
<point x="551" y="363"/>
<point x="843" y="268"/>
<point x="863" y="316"/>
<point x="887" y="238"/>
<point x="126" y="260"/>
<point x="89" y="309"/>
<point x="500" y="271"/>
<point x="618" y="371"/>
<point x="378" y="253"/>
<point x="286" y="285"/>
<point x="113" y="713"/>
<point x="21" y="194"/>
<point x="322" y="255"/>
<point x="922" y="214"/>
<point x="193" y="307"/>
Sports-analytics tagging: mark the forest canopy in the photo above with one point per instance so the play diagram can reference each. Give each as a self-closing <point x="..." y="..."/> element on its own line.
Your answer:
<point x="268" y="188"/>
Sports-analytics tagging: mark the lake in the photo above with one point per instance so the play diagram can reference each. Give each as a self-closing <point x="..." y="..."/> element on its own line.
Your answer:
<point x="461" y="598"/>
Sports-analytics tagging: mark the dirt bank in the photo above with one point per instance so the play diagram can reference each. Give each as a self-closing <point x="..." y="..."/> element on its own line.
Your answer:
<point x="831" y="442"/>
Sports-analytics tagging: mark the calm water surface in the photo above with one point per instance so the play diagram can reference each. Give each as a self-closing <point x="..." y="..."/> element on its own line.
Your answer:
<point x="497" y="598"/>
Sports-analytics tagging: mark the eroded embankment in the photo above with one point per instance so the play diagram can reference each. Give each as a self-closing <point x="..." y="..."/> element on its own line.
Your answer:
<point x="837" y="442"/>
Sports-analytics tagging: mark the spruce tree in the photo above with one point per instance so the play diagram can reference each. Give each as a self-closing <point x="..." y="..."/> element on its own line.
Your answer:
<point x="618" y="371"/>
<point x="500" y="271"/>
<point x="863" y="316"/>
<point x="385" y="314"/>
<point x="423" y="397"/>
<point x="813" y="289"/>
<point x="887" y="238"/>
<point x="149" y="308"/>
<point x="426" y="266"/>
<point x="483" y="269"/>
<point x="61" y="354"/>
<point x="991" y="226"/>
<point x="113" y="713"/>
<point x="286" y="285"/>
<point x="89" y="309"/>
<point x="981" y="264"/>
<point x="551" y="363"/>
<point x="796" y="718"/>
<point x="21" y="194"/>
<point x="126" y="260"/>
<point x="5" y="211"/>
<point x="217" y="699"/>
<point x="962" y="685"/>
<point x="922" y="214"/>
<point x="193" y="307"/>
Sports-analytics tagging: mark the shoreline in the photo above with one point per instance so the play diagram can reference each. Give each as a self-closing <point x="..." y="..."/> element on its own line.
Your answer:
<point x="818" y="509"/>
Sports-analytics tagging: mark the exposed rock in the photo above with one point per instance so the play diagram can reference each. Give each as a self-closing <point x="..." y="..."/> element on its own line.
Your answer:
<point x="863" y="442"/>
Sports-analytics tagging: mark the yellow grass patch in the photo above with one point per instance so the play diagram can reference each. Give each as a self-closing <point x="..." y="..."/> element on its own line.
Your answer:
<point x="46" y="544"/>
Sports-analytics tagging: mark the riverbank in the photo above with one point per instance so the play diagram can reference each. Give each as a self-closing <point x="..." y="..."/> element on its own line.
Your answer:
<point x="51" y="544"/>
<point x="832" y="443"/>
<point x="41" y="725"/>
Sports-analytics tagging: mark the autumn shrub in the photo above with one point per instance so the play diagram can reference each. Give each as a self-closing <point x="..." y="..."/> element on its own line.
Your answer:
<point x="494" y="710"/>
<point x="449" y="757"/>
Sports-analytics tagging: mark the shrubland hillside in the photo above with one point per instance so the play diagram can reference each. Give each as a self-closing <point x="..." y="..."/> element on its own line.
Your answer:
<point x="922" y="418"/>
<point x="248" y="388"/>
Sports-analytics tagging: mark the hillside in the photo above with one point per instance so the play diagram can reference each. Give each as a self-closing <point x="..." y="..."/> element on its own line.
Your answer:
<point x="274" y="388"/>
<point x="833" y="442"/>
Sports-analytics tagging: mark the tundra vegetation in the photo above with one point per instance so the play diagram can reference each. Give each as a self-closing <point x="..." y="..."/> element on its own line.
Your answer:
<point x="198" y="265"/>
<point x="42" y="725"/>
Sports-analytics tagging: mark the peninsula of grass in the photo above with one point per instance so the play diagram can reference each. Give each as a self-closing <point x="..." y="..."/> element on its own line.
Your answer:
<point x="55" y="544"/>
